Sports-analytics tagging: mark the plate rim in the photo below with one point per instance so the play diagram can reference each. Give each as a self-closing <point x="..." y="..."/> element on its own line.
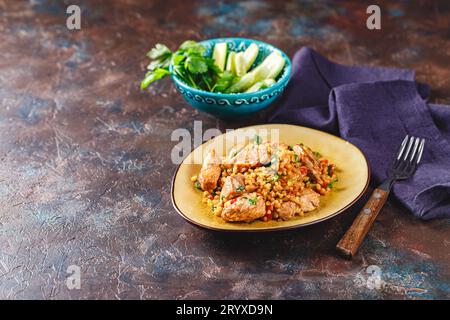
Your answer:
<point x="203" y="226"/>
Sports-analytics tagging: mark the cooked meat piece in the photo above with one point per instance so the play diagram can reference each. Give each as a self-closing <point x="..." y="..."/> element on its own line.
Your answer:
<point x="258" y="155"/>
<point x="241" y="158"/>
<point x="229" y="161"/>
<point x="247" y="207"/>
<point x="233" y="186"/>
<point x="308" y="158"/>
<point x="309" y="200"/>
<point x="288" y="210"/>
<point x="263" y="154"/>
<point x="210" y="172"/>
<point x="251" y="156"/>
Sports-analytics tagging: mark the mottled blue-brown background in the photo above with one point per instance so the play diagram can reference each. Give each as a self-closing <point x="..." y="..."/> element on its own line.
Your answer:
<point x="85" y="168"/>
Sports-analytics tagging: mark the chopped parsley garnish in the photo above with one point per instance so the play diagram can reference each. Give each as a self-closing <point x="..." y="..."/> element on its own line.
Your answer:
<point x="258" y="139"/>
<point x="296" y="158"/>
<point x="224" y="81"/>
<point x="197" y="185"/>
<point x="317" y="154"/>
<point x="240" y="188"/>
<point x="275" y="177"/>
<point x="331" y="184"/>
<point x="253" y="201"/>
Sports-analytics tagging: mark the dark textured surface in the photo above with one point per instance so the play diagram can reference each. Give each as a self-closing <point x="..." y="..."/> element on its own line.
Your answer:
<point x="85" y="156"/>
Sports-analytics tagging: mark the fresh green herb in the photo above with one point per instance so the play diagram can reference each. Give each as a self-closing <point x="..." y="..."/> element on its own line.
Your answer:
<point x="159" y="66"/>
<point x="196" y="64"/>
<point x="331" y="184"/>
<point x="225" y="80"/>
<point x="317" y="154"/>
<point x="258" y="139"/>
<point x="189" y="64"/>
<point x="213" y="208"/>
<point x="240" y="188"/>
<point x="160" y="51"/>
<point x="275" y="177"/>
<point x="296" y="158"/>
<point x="153" y="75"/>
<point x="194" y="46"/>
<point x="197" y="185"/>
<point x="252" y="201"/>
<point x="193" y="68"/>
<point x="222" y="197"/>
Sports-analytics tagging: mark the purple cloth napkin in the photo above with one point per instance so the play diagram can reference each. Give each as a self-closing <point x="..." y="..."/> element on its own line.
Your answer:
<point x="374" y="108"/>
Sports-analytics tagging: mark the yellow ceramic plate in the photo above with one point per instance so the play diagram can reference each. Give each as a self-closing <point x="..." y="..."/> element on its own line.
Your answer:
<point x="351" y="165"/>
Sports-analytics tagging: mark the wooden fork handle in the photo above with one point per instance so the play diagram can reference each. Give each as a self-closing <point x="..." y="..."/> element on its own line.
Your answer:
<point x="354" y="236"/>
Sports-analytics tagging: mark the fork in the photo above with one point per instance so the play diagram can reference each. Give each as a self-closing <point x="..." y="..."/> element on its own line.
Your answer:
<point x="403" y="167"/>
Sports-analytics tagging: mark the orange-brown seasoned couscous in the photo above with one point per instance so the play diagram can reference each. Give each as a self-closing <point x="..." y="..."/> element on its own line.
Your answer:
<point x="264" y="180"/>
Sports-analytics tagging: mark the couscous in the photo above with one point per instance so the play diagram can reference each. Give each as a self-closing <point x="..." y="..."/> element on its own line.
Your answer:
<point x="264" y="180"/>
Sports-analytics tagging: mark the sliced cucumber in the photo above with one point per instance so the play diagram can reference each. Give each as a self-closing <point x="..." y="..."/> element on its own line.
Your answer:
<point x="231" y="67"/>
<point x="260" y="85"/>
<point x="220" y="54"/>
<point x="276" y="67"/>
<point x="250" y="55"/>
<point x="268" y="69"/>
<point x="239" y="62"/>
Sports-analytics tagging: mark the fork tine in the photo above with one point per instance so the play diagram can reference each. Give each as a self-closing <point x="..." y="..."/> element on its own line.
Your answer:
<point x="421" y="147"/>
<point x="402" y="147"/>
<point x="411" y="140"/>
<point x="413" y="153"/>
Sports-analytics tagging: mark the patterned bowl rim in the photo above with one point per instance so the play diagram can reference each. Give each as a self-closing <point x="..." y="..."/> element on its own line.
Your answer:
<point x="279" y="85"/>
<point x="231" y="103"/>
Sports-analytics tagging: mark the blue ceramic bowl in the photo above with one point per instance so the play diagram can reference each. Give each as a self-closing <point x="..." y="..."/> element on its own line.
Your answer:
<point x="230" y="105"/>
